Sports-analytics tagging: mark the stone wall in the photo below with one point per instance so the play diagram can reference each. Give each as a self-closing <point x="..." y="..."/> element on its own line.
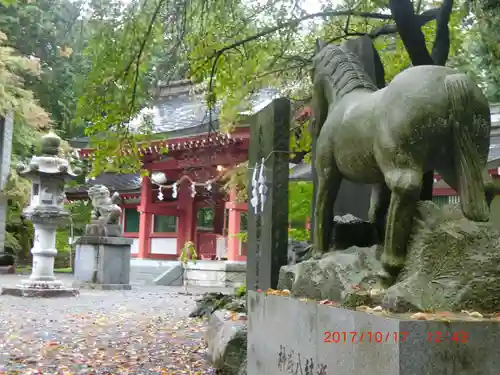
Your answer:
<point x="215" y="273"/>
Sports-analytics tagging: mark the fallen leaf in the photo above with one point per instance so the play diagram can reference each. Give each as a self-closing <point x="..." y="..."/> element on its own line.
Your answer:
<point x="363" y="308"/>
<point x="419" y="316"/>
<point x="473" y="314"/>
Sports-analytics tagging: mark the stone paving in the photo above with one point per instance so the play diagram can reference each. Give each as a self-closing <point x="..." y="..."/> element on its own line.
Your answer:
<point x="142" y="331"/>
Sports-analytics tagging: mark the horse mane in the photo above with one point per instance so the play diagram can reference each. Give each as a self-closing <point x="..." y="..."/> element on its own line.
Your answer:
<point x="342" y="69"/>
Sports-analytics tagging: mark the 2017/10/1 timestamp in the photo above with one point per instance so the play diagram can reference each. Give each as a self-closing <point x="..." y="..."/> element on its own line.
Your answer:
<point x="438" y="337"/>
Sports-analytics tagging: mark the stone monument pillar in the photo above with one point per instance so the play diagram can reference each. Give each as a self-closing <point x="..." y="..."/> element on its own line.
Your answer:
<point x="6" y="128"/>
<point x="102" y="259"/>
<point x="46" y="211"/>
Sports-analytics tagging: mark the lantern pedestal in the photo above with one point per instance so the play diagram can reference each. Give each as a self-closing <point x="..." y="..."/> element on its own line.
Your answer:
<point x="42" y="282"/>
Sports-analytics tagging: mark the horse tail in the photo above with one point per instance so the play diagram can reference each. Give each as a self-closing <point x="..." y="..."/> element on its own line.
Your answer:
<point x="468" y="166"/>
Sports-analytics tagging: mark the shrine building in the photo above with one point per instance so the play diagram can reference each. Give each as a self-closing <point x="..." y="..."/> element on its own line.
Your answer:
<point x="182" y="199"/>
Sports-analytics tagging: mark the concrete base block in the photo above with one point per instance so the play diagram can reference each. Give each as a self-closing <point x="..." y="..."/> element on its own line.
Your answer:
<point x="286" y="335"/>
<point x="102" y="260"/>
<point x="226" y="343"/>
<point x="39" y="293"/>
<point x="216" y="273"/>
<point x="83" y="285"/>
<point x="172" y="276"/>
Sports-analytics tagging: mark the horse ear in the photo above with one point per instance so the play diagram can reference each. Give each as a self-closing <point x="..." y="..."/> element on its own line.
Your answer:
<point x="319" y="45"/>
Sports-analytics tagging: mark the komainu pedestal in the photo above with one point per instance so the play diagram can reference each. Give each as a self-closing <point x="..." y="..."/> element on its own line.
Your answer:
<point x="103" y="263"/>
<point x="102" y="258"/>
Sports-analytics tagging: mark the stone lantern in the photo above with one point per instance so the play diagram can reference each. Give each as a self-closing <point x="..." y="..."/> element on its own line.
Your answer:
<point x="48" y="174"/>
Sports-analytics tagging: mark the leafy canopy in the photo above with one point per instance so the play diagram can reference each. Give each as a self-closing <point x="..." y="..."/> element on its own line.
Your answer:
<point x="233" y="47"/>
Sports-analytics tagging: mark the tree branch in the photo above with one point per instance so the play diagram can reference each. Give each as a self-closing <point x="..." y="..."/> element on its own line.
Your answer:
<point x="441" y="47"/>
<point x="145" y="38"/>
<point x="295" y="22"/>
<point x="410" y="32"/>
<point x="291" y="23"/>
<point x="422" y="19"/>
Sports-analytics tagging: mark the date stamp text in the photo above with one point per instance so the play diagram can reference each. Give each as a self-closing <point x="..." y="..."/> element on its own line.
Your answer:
<point x="359" y="337"/>
<point x="378" y="337"/>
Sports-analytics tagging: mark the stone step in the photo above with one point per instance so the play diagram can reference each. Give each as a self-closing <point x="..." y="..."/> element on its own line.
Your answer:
<point x="146" y="275"/>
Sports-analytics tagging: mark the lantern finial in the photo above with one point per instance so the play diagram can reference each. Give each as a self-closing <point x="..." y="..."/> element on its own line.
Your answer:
<point x="50" y="144"/>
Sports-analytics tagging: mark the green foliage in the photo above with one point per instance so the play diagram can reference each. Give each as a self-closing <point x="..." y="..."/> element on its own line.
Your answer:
<point x="118" y="84"/>
<point x="299" y="204"/>
<point x="13" y="95"/>
<point x="49" y="32"/>
<point x="240" y="291"/>
<point x="299" y="209"/>
<point x="188" y="253"/>
<point x="39" y="62"/>
<point x="242" y="236"/>
<point x="237" y="178"/>
<point x="481" y="47"/>
<point x="254" y="45"/>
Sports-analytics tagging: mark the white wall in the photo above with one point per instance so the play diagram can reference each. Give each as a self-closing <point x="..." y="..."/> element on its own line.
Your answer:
<point x="134" y="248"/>
<point x="164" y="246"/>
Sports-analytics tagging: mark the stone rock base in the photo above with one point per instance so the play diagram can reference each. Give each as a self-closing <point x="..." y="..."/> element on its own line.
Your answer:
<point x="452" y="265"/>
<point x="39" y="292"/>
<point x="210" y="302"/>
<point x="81" y="285"/>
<point x="332" y="277"/>
<point x="226" y="343"/>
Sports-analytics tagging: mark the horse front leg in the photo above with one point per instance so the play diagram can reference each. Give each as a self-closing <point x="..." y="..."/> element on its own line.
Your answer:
<point x="329" y="180"/>
<point x="405" y="185"/>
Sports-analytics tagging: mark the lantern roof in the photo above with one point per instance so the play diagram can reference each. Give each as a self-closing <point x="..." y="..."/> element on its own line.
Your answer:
<point x="48" y="163"/>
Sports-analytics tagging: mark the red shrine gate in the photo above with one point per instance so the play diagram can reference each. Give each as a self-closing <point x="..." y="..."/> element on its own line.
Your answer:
<point x="186" y="202"/>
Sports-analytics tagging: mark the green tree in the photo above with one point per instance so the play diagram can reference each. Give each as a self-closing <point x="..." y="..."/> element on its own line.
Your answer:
<point x="29" y="120"/>
<point x="236" y="48"/>
<point x="51" y="32"/>
<point x="482" y="46"/>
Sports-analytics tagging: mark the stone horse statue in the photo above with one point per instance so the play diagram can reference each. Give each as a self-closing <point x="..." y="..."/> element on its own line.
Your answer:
<point x="428" y="118"/>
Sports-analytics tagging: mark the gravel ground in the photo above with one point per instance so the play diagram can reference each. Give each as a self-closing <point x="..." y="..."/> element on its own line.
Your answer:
<point x="142" y="331"/>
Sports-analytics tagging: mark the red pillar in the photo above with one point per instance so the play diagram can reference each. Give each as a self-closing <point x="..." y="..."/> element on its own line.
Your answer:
<point x="234" y="227"/>
<point x="146" y="218"/>
<point x="187" y="219"/>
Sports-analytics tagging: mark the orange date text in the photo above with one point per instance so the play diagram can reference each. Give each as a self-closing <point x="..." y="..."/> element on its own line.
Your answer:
<point x="438" y="337"/>
<point x="376" y="337"/>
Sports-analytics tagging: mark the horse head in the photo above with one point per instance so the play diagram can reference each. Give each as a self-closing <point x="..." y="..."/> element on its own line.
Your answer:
<point x="320" y="44"/>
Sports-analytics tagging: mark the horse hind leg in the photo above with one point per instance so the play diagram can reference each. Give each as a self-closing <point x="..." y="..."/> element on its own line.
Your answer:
<point x="329" y="180"/>
<point x="379" y="203"/>
<point x="405" y="185"/>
